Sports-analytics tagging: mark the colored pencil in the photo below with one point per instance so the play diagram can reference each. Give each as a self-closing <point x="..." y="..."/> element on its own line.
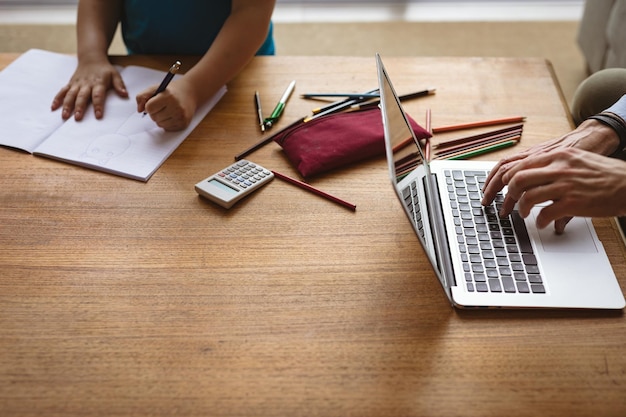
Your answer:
<point x="337" y="103"/>
<point x="314" y="190"/>
<point x="478" y="124"/>
<point x="476" y="145"/>
<point x="482" y="140"/>
<point x="265" y="141"/>
<point x="467" y="139"/>
<point x="482" y="150"/>
<point x="373" y="103"/>
<point x="345" y="95"/>
<point x="336" y="109"/>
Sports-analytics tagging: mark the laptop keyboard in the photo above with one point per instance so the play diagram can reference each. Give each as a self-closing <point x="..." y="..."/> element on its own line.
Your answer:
<point x="496" y="253"/>
<point x="411" y="200"/>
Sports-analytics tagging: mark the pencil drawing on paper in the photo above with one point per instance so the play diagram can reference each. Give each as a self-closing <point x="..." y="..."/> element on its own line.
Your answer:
<point x="106" y="147"/>
<point x="109" y="146"/>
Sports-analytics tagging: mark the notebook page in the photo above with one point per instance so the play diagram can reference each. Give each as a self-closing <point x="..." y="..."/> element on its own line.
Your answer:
<point x="27" y="87"/>
<point x="124" y="142"/>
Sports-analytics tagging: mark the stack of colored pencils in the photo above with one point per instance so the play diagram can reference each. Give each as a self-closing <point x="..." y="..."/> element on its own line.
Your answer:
<point x="478" y="144"/>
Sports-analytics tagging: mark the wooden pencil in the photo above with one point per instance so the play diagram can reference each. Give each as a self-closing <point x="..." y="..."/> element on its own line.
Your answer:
<point x="479" y="142"/>
<point x="467" y="139"/>
<point x="483" y="123"/>
<point x="314" y="190"/>
<point x="479" y="150"/>
<point x="265" y="141"/>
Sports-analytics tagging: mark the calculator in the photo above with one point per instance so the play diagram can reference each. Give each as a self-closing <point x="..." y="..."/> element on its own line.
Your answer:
<point x="234" y="182"/>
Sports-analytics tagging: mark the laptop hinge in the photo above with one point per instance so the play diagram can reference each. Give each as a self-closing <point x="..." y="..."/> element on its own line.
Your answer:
<point x="439" y="233"/>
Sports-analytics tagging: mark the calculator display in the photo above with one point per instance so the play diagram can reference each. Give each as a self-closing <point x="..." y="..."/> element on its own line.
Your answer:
<point x="223" y="186"/>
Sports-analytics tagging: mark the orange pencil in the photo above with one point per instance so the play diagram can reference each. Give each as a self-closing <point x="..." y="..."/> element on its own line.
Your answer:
<point x="478" y="124"/>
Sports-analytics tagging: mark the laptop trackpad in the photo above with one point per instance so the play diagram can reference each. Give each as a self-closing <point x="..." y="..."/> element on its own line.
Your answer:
<point x="577" y="237"/>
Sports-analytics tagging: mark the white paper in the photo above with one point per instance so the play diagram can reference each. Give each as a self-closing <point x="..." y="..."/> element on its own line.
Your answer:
<point x="123" y="142"/>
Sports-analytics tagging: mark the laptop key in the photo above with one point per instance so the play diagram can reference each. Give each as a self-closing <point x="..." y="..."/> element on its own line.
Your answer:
<point x="538" y="288"/>
<point x="494" y="285"/>
<point x="517" y="267"/>
<point x="522" y="287"/>
<point x="519" y="276"/>
<point x="503" y="262"/>
<point x="522" y="233"/>
<point x="508" y="284"/>
<point x="529" y="259"/>
<point x="480" y="278"/>
<point x="532" y="269"/>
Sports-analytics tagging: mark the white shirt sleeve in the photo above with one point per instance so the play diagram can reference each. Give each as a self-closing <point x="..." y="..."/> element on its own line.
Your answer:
<point x="619" y="108"/>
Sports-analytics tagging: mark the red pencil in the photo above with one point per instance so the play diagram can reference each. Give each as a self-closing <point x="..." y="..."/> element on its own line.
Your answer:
<point x="478" y="141"/>
<point x="480" y="149"/>
<point x="314" y="190"/>
<point x="468" y="139"/>
<point x="479" y="124"/>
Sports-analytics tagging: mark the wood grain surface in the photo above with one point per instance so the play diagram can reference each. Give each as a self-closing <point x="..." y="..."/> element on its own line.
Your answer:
<point x="122" y="298"/>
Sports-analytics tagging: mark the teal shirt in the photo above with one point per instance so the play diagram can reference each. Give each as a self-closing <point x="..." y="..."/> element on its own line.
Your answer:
<point x="177" y="27"/>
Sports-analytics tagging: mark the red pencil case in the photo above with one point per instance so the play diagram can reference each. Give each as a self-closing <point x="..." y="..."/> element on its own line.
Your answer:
<point x="336" y="140"/>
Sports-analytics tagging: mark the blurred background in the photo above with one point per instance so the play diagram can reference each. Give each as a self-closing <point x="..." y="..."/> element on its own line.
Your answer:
<point x="547" y="29"/>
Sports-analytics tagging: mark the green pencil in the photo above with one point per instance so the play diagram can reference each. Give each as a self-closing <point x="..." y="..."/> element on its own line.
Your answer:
<point x="483" y="150"/>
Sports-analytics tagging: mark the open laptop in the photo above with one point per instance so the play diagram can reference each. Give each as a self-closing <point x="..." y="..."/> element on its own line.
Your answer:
<point x="483" y="260"/>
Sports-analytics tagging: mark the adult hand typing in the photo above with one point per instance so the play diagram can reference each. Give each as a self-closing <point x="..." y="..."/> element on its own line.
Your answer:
<point x="571" y="171"/>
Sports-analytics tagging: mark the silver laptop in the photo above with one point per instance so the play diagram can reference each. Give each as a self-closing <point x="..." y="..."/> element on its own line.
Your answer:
<point x="483" y="260"/>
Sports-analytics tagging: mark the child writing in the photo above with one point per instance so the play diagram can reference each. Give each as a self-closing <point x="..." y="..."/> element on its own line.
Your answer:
<point x="226" y="34"/>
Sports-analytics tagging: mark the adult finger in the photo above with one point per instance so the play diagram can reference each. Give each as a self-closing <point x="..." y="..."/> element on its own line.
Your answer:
<point x="493" y="183"/>
<point x="555" y="212"/>
<point x="559" y="224"/>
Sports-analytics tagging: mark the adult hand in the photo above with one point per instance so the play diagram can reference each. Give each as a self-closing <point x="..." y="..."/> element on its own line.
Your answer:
<point x="90" y="83"/>
<point x="591" y="135"/>
<point x="171" y="109"/>
<point x="577" y="182"/>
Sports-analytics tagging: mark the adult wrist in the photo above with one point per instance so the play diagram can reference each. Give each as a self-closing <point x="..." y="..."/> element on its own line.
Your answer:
<point x="617" y="124"/>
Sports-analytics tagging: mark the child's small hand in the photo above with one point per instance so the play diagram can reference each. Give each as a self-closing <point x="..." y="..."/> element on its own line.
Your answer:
<point x="89" y="83"/>
<point x="171" y="109"/>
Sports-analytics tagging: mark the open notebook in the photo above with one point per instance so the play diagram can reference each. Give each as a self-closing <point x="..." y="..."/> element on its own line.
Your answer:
<point x="122" y="143"/>
<point x="481" y="259"/>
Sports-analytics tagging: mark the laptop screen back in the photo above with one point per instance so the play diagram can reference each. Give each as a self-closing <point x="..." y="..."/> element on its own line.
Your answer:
<point x="407" y="165"/>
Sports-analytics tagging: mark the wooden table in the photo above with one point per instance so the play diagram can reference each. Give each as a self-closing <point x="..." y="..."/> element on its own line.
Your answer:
<point x="122" y="298"/>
